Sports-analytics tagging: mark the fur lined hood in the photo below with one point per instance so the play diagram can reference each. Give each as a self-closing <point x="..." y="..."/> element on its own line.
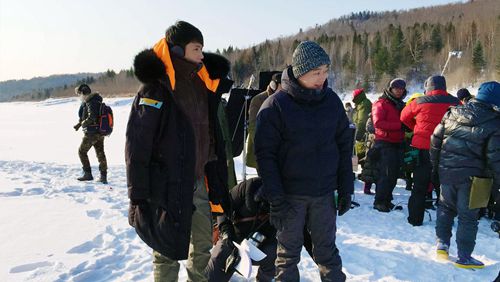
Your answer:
<point x="149" y="68"/>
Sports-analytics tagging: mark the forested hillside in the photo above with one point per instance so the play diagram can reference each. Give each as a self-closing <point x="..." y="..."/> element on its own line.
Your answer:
<point x="368" y="48"/>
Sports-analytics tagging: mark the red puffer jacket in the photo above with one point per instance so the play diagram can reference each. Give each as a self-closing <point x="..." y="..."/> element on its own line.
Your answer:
<point x="423" y="114"/>
<point x="386" y="121"/>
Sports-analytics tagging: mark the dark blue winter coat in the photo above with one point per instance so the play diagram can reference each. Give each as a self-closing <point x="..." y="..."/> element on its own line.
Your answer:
<point x="303" y="142"/>
<point x="467" y="143"/>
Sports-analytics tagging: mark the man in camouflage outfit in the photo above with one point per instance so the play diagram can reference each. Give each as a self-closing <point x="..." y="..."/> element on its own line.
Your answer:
<point x="89" y="121"/>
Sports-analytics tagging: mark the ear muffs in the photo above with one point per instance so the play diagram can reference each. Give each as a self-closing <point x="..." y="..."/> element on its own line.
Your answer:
<point x="273" y="85"/>
<point x="177" y="50"/>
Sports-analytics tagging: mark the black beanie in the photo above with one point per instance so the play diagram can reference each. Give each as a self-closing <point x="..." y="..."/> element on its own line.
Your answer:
<point x="83" y="89"/>
<point x="463" y="94"/>
<point x="182" y="33"/>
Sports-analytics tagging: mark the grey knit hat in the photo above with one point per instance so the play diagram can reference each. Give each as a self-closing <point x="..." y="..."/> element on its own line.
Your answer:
<point x="307" y="56"/>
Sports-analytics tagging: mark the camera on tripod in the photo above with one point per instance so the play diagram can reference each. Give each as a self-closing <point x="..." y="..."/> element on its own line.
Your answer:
<point x="234" y="258"/>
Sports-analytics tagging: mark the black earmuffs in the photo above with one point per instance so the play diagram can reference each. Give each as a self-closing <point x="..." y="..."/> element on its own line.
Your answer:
<point x="177" y="50"/>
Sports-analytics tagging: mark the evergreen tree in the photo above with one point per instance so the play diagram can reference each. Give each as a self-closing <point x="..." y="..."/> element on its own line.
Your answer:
<point x="436" y="38"/>
<point x="110" y="73"/>
<point x="396" y="53"/>
<point x="380" y="56"/>
<point x="478" y="60"/>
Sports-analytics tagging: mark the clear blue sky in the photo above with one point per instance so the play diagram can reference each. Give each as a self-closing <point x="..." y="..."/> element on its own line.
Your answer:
<point x="44" y="37"/>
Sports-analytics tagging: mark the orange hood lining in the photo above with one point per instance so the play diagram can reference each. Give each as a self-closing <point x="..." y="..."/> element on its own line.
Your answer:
<point x="162" y="51"/>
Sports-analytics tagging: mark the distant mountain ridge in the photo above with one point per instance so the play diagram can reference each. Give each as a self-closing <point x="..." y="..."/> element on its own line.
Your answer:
<point x="12" y="88"/>
<point x="366" y="48"/>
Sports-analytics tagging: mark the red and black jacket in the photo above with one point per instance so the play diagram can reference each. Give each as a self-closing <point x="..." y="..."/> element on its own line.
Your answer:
<point x="423" y="114"/>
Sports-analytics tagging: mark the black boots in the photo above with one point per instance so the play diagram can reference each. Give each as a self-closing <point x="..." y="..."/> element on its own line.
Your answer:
<point x="87" y="176"/>
<point x="103" y="179"/>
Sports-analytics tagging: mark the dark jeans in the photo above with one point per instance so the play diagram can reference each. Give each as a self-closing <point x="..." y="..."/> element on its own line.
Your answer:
<point x="318" y="215"/>
<point x="454" y="200"/>
<point x="389" y="165"/>
<point x="97" y="141"/>
<point x="220" y="252"/>
<point x="421" y="178"/>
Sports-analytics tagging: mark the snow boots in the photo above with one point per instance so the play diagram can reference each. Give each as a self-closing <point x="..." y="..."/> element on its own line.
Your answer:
<point x="87" y="176"/>
<point x="468" y="262"/>
<point x="103" y="179"/>
<point x="381" y="207"/>
<point x="442" y="250"/>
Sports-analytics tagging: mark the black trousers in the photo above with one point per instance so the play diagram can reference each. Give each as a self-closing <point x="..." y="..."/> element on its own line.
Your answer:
<point x="391" y="155"/>
<point x="421" y="178"/>
<point x="318" y="216"/>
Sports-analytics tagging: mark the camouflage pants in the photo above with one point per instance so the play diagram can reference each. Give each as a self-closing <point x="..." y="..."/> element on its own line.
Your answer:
<point x="89" y="140"/>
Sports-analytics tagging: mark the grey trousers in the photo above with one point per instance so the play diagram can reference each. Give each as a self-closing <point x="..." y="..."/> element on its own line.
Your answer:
<point x="318" y="215"/>
<point x="453" y="201"/>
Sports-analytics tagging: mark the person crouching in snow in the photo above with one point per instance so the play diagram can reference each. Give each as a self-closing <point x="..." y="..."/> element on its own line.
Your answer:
<point x="303" y="149"/>
<point x="468" y="134"/>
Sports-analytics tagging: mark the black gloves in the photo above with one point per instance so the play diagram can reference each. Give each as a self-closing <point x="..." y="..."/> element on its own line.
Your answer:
<point x="132" y="209"/>
<point x="226" y="232"/>
<point x="77" y="126"/>
<point x="279" y="212"/>
<point x="344" y="204"/>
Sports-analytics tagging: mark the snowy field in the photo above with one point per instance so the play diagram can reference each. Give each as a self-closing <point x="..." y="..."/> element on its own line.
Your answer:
<point x="55" y="228"/>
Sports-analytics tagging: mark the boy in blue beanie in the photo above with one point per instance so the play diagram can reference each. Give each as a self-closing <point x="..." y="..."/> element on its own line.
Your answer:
<point x="303" y="147"/>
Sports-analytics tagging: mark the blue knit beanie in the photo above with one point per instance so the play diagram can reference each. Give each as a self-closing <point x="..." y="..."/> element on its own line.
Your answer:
<point x="307" y="56"/>
<point x="489" y="92"/>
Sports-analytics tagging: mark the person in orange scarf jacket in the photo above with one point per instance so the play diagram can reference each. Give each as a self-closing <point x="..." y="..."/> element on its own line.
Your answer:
<point x="175" y="151"/>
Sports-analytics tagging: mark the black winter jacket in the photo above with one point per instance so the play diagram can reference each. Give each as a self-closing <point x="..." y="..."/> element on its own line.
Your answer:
<point x="89" y="113"/>
<point x="467" y="143"/>
<point x="160" y="160"/>
<point x="303" y="142"/>
<point x="250" y="215"/>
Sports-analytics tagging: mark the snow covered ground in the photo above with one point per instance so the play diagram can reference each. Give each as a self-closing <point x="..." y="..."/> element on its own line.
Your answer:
<point x="55" y="228"/>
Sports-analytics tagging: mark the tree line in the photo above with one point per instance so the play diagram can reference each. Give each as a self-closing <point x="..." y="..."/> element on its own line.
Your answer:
<point x="369" y="48"/>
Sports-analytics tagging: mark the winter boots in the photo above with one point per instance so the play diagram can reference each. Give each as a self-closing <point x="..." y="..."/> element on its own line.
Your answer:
<point x="387" y="207"/>
<point x="468" y="262"/>
<point x="381" y="207"/>
<point x="442" y="250"/>
<point x="87" y="176"/>
<point x="103" y="179"/>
